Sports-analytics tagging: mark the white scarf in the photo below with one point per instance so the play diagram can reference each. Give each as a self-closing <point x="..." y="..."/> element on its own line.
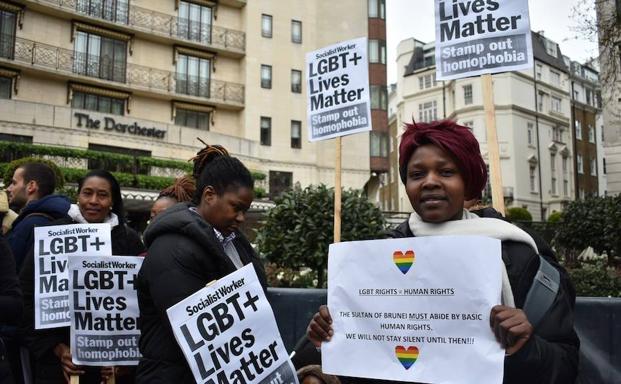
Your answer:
<point x="76" y="215"/>
<point x="484" y="226"/>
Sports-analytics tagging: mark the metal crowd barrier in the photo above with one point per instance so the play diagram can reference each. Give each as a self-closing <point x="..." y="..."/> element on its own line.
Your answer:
<point x="597" y="322"/>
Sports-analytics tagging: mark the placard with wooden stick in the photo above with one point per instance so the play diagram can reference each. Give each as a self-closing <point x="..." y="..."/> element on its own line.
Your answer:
<point x="337" y="191"/>
<point x="465" y="51"/>
<point x="338" y="101"/>
<point x="493" y="152"/>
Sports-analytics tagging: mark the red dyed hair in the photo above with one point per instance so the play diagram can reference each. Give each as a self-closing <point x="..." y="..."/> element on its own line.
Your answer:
<point x="454" y="139"/>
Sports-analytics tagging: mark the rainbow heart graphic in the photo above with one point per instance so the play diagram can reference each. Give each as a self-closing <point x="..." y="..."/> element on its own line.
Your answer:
<point x="403" y="261"/>
<point x="407" y="357"/>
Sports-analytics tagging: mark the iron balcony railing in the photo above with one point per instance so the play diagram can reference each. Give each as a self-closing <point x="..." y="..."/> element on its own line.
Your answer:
<point x="158" y="23"/>
<point x="137" y="76"/>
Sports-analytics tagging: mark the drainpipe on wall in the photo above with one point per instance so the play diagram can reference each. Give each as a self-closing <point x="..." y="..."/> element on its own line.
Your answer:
<point x="574" y="141"/>
<point x="444" y="99"/>
<point x="538" y="144"/>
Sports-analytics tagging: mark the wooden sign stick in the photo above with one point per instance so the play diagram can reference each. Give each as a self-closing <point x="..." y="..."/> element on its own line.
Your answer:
<point x="337" y="192"/>
<point x="498" y="201"/>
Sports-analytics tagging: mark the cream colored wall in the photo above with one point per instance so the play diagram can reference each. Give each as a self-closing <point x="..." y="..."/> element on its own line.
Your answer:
<point x="41" y="90"/>
<point x="40" y="108"/>
<point x="323" y="23"/>
<point x="153" y="55"/>
<point x="163" y="6"/>
<point x="228" y="17"/>
<point x="46" y="29"/>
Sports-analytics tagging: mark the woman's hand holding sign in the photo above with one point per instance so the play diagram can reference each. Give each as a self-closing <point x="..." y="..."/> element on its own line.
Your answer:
<point x="511" y="327"/>
<point x="320" y="327"/>
<point x="63" y="353"/>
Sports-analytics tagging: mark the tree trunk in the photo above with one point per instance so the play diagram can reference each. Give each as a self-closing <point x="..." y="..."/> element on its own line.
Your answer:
<point x="321" y="278"/>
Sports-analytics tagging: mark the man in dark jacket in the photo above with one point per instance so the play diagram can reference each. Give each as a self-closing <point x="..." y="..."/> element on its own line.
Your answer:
<point x="185" y="253"/>
<point x="33" y="184"/>
<point x="10" y="304"/>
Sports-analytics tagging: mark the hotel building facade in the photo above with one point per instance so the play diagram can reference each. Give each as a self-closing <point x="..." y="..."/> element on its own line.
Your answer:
<point x="148" y="78"/>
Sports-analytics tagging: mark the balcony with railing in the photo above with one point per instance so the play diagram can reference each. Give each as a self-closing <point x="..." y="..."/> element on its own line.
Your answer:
<point x="127" y="76"/>
<point x="152" y="23"/>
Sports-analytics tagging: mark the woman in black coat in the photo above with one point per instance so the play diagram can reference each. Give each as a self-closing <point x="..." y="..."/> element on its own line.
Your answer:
<point x="190" y="245"/>
<point x="441" y="167"/>
<point x="99" y="201"/>
<point x="10" y="303"/>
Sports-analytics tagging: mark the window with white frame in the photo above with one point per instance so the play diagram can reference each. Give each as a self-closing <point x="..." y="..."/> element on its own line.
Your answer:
<point x="266" y="131"/>
<point x="379" y="144"/>
<point x="593" y="167"/>
<point x="266" y="26"/>
<point x="296" y="81"/>
<point x="377" y="9"/>
<point x="565" y="188"/>
<point x="428" y="111"/>
<point x="564" y="165"/>
<point x="296" y="134"/>
<point x="468" y="94"/>
<point x="377" y="51"/>
<point x="591" y="134"/>
<point x="530" y="131"/>
<point x="192" y="119"/>
<point x="551" y="48"/>
<point x="553" y="163"/>
<point x="578" y="126"/>
<point x="541" y="101"/>
<point x="579" y="164"/>
<point x="555" y="78"/>
<point x="556" y="104"/>
<point x="553" y="185"/>
<point x="539" y="71"/>
<point x="427" y="81"/>
<point x="266" y="76"/>
<point x="532" y="173"/>
<point x="296" y="31"/>
<point x="5" y="87"/>
<point x="379" y="97"/>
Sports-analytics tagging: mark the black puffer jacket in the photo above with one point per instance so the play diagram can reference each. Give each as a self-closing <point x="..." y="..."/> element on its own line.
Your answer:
<point x="551" y="355"/>
<point x="184" y="255"/>
<point x="41" y="343"/>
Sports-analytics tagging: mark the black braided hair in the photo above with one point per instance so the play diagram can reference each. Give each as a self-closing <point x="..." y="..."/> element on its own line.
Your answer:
<point x="213" y="166"/>
<point x="183" y="189"/>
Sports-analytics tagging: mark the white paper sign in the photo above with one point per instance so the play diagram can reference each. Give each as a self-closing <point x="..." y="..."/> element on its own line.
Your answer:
<point x="51" y="280"/>
<point x="228" y="333"/>
<point x="104" y="310"/>
<point x="415" y="309"/>
<point x="478" y="37"/>
<point x="337" y="79"/>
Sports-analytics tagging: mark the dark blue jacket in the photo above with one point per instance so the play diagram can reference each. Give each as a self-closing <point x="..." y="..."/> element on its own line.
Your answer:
<point x="36" y="213"/>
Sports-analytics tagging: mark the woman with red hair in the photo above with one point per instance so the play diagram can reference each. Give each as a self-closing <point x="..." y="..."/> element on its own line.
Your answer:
<point x="441" y="167"/>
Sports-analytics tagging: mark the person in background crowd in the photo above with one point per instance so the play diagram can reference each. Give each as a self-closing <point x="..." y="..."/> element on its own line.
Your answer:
<point x="181" y="191"/>
<point x="10" y="305"/>
<point x="7" y="215"/>
<point x="99" y="201"/>
<point x="32" y="186"/>
<point x="191" y="244"/>
<point x="312" y="374"/>
<point x="441" y="167"/>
